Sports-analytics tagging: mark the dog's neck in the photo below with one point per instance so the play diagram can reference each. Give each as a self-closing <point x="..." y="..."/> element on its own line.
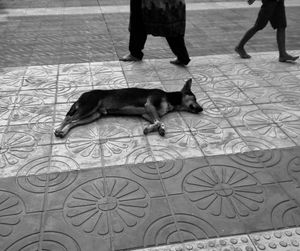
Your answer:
<point x="174" y="99"/>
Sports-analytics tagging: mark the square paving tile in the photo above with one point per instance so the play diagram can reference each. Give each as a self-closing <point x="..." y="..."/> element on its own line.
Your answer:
<point x="263" y="95"/>
<point x="175" y="145"/>
<point x="145" y="175"/>
<point x="141" y="75"/>
<point x="39" y="133"/>
<point x="241" y="169"/>
<point x="279" y="114"/>
<point x="222" y="141"/>
<point x="194" y="223"/>
<point x="64" y="177"/>
<point x="292" y="130"/>
<point x="271" y="213"/>
<point x="35" y="98"/>
<point x="13" y="159"/>
<point x="71" y="94"/>
<point x="115" y="80"/>
<point x="261" y="137"/>
<point x="20" y="230"/>
<point x="154" y="225"/>
<point x="62" y="232"/>
<point x="246" y="115"/>
<point x="174" y="172"/>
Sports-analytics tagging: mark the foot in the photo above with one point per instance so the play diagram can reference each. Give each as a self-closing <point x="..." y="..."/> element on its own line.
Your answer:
<point x="179" y="62"/>
<point x="129" y="58"/>
<point x="59" y="133"/>
<point x="288" y="58"/>
<point x="242" y="52"/>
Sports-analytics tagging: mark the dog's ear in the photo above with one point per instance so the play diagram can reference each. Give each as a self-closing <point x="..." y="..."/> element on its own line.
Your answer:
<point x="187" y="86"/>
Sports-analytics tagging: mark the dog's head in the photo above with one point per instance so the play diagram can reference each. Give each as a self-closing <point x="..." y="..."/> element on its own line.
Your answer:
<point x="189" y="101"/>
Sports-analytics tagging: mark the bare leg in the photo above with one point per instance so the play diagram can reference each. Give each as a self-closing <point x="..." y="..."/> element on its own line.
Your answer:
<point x="68" y="125"/>
<point x="240" y="47"/>
<point x="283" y="55"/>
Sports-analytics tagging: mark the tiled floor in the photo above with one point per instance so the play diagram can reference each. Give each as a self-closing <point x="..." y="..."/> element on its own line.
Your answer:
<point x="232" y="172"/>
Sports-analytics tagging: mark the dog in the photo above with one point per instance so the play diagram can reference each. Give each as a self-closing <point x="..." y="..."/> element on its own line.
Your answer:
<point x="151" y="104"/>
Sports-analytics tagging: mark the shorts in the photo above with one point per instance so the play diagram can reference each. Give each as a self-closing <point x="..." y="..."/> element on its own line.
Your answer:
<point x="273" y="11"/>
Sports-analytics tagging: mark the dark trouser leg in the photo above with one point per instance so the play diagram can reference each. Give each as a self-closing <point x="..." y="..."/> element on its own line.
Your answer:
<point x="283" y="55"/>
<point x="178" y="47"/>
<point x="137" y="42"/>
<point x="280" y="35"/>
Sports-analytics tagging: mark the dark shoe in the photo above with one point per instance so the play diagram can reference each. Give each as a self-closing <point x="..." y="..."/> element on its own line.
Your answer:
<point x="179" y="62"/>
<point x="129" y="58"/>
<point x="288" y="58"/>
<point x="242" y="52"/>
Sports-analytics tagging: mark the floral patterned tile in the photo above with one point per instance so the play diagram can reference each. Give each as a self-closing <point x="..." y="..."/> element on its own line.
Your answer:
<point x="70" y="69"/>
<point x="11" y="78"/>
<point x="141" y="75"/>
<point x="115" y="80"/>
<point x="71" y="94"/>
<point x="205" y="213"/>
<point x="173" y="73"/>
<point x="254" y="70"/>
<point x="176" y="145"/>
<point x="126" y="150"/>
<point x="32" y="115"/>
<point x="207" y="120"/>
<point x="284" y="80"/>
<point x="218" y="84"/>
<point x="245" y="82"/>
<point x="262" y="95"/>
<point x="129" y="66"/>
<point x="146" y="85"/>
<point x="74" y="80"/>
<point x="246" y="115"/>
<point x="36" y="97"/>
<point x="229" y="98"/>
<point x="262" y="137"/>
<point x="292" y="129"/>
<point x="223" y="141"/>
<point x="280" y="112"/>
<point x="234" y="69"/>
<point x="19" y="149"/>
<point x="5" y="114"/>
<point x="87" y="154"/>
<point x="34" y="82"/>
<point x="105" y="67"/>
<point x="41" y="71"/>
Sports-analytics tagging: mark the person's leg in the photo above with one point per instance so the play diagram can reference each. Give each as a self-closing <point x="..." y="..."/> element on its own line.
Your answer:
<point x="278" y="21"/>
<point x="178" y="47"/>
<point x="263" y="17"/>
<point x="138" y="35"/>
<point x="136" y="45"/>
<point x="240" y="47"/>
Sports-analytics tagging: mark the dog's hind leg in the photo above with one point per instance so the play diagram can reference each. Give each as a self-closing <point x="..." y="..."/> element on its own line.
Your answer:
<point x="63" y="131"/>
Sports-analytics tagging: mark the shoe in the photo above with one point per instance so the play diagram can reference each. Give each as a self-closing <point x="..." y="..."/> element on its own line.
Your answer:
<point x="242" y="52"/>
<point x="129" y="58"/>
<point x="179" y="62"/>
<point x="288" y="58"/>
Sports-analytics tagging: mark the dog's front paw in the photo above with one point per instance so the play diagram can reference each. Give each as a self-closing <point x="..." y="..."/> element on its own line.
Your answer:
<point x="59" y="133"/>
<point x="162" y="132"/>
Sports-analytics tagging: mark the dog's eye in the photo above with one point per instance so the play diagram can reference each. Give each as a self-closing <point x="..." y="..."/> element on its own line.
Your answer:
<point x="191" y="107"/>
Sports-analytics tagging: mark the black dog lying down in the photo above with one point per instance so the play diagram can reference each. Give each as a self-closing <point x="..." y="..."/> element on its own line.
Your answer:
<point x="151" y="104"/>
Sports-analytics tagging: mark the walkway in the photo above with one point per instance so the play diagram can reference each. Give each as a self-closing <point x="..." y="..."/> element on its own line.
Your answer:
<point x="231" y="173"/>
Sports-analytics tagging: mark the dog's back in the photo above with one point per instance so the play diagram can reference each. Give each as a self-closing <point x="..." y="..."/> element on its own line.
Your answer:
<point x="128" y="101"/>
